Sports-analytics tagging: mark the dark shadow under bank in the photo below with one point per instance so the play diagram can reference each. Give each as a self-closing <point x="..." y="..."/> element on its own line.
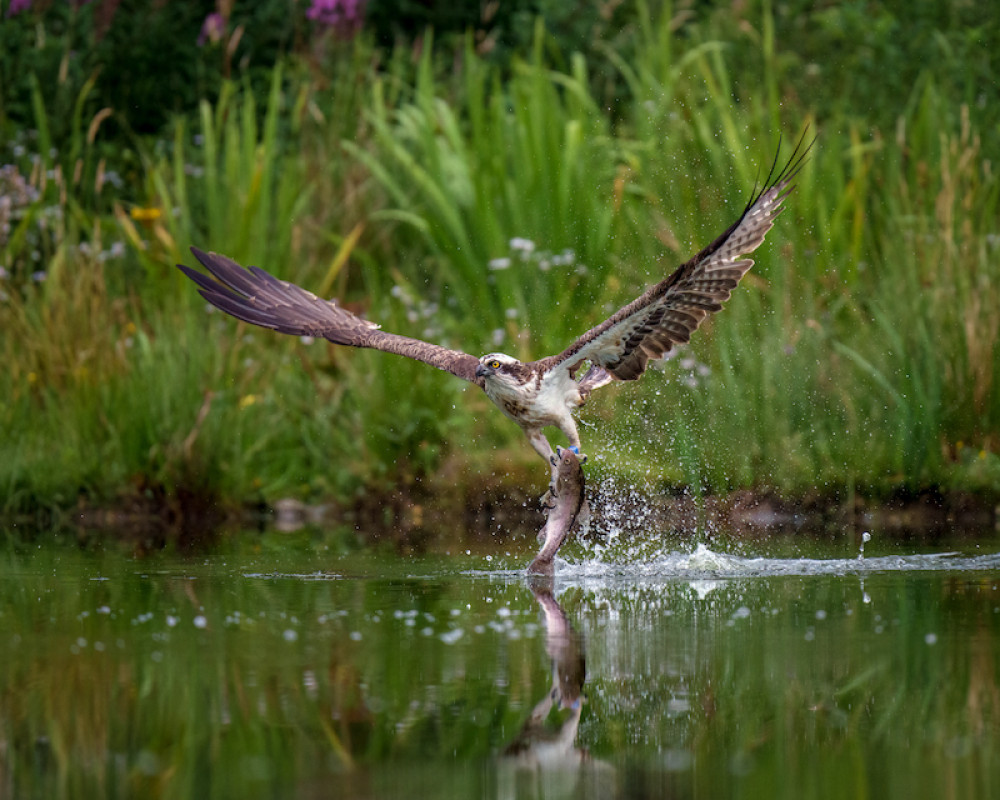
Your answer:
<point x="419" y="517"/>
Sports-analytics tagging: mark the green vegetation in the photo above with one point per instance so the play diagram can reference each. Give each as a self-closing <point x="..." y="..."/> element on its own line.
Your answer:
<point x="490" y="202"/>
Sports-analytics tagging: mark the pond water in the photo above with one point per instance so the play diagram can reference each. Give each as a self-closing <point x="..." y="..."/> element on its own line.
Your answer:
<point x="296" y="666"/>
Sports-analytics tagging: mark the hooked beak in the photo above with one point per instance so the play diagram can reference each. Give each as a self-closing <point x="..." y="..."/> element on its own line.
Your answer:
<point x="483" y="372"/>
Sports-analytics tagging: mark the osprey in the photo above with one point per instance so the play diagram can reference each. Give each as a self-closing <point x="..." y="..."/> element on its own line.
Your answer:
<point x="535" y="394"/>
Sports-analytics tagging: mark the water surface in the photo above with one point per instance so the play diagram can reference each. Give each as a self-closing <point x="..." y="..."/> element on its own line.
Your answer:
<point x="280" y="666"/>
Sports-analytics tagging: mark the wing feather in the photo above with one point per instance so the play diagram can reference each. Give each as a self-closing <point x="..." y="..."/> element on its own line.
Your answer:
<point x="255" y="296"/>
<point x="669" y="312"/>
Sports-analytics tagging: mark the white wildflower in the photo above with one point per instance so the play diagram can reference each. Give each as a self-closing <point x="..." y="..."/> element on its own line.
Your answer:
<point x="564" y="259"/>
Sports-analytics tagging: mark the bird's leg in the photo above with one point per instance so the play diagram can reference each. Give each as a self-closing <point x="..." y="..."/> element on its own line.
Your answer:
<point x="539" y="442"/>
<point x="544" y="449"/>
<point x="573" y="435"/>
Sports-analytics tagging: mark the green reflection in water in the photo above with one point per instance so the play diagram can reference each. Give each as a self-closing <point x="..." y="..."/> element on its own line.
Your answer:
<point x="288" y="671"/>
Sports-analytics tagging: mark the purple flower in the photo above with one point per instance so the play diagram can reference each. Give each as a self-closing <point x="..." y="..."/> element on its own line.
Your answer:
<point x="17" y="6"/>
<point x="344" y="15"/>
<point x="212" y="29"/>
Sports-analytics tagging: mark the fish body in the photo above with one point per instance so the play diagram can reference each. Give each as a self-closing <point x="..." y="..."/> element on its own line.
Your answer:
<point x="568" y="500"/>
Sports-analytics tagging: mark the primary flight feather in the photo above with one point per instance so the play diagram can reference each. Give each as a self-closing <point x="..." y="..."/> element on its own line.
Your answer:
<point x="535" y="394"/>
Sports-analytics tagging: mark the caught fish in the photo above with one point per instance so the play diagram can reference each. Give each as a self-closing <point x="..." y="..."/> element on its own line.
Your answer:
<point x="568" y="501"/>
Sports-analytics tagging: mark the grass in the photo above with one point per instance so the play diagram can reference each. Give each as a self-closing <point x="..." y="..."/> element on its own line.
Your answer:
<point x="512" y="211"/>
<point x="532" y="162"/>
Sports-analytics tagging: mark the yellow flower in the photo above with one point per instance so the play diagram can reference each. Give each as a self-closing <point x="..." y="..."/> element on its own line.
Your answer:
<point x="144" y="215"/>
<point x="247" y="400"/>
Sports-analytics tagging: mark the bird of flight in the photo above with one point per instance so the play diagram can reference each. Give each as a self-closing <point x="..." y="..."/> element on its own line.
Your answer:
<point x="535" y="394"/>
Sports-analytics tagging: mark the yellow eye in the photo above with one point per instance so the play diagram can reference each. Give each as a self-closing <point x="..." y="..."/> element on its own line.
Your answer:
<point x="494" y="364"/>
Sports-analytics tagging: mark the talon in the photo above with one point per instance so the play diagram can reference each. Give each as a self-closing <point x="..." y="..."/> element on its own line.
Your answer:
<point x="548" y="500"/>
<point x="554" y="459"/>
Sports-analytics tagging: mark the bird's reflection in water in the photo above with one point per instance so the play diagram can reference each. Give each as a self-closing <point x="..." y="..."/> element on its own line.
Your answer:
<point x="543" y="760"/>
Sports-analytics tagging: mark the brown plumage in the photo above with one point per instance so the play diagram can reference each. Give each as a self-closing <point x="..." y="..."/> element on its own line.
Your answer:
<point x="540" y="393"/>
<point x="669" y="312"/>
<point x="257" y="297"/>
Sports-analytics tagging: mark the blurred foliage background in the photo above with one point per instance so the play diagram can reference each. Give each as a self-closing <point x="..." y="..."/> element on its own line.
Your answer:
<point x="492" y="176"/>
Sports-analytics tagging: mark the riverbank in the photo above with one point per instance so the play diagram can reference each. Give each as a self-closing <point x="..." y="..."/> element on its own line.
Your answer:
<point x="430" y="516"/>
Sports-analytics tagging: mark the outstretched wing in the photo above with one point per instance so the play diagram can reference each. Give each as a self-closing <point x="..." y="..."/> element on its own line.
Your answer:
<point x="259" y="298"/>
<point x="669" y="312"/>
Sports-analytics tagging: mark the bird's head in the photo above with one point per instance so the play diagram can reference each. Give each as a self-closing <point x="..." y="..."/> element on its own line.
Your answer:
<point x="497" y="365"/>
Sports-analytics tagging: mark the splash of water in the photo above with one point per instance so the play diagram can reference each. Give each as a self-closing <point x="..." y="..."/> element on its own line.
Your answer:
<point x="704" y="563"/>
<point x="865" y="538"/>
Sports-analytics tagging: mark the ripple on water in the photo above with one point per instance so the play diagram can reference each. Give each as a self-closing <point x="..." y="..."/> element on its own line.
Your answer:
<point x="706" y="564"/>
